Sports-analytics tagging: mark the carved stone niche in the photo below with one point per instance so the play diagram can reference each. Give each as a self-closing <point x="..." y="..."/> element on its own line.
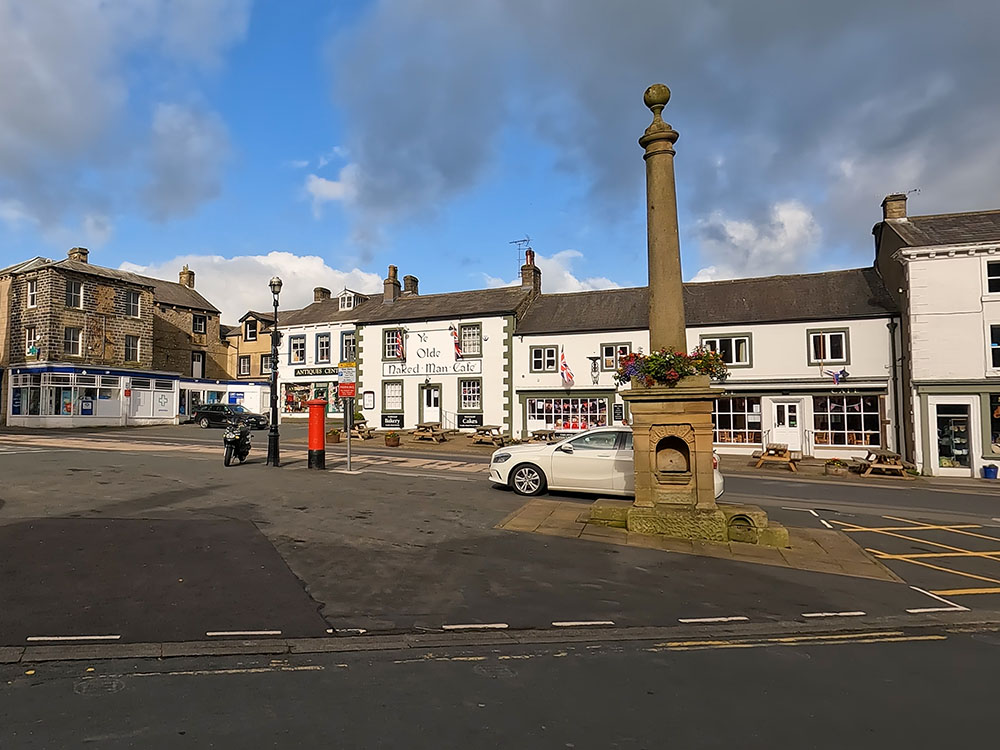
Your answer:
<point x="671" y="447"/>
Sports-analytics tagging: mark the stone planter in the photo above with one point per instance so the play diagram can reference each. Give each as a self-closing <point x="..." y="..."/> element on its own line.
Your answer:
<point x="692" y="381"/>
<point x="333" y="436"/>
<point x="835" y="470"/>
<point x="392" y="442"/>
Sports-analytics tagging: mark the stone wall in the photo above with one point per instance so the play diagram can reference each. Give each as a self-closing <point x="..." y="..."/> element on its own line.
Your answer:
<point x="174" y="340"/>
<point x="102" y="318"/>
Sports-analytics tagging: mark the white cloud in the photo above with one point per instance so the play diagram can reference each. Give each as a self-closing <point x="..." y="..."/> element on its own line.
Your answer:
<point x="557" y="275"/>
<point x="341" y="190"/>
<point x="68" y="70"/>
<point x="297" y="163"/>
<point x="782" y="243"/>
<point x="187" y="153"/>
<point x="237" y="284"/>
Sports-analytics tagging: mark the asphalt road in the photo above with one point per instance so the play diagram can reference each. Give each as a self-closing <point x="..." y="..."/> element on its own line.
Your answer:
<point x="895" y="689"/>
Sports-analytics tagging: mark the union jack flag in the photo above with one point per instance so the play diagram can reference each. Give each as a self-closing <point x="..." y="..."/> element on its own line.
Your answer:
<point x="567" y="374"/>
<point x="454" y="336"/>
<point x="837" y="375"/>
<point x="400" y="351"/>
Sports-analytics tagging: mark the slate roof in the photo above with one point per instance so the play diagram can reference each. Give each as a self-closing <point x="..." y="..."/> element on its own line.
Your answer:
<point x="164" y="292"/>
<point x="499" y="301"/>
<point x="948" y="229"/>
<point x="831" y="295"/>
<point x="267" y="317"/>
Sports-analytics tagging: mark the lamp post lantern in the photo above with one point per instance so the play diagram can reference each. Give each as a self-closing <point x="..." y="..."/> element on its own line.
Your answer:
<point x="273" y="458"/>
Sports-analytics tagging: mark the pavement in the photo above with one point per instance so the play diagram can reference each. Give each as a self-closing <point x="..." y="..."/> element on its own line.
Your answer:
<point x="135" y="537"/>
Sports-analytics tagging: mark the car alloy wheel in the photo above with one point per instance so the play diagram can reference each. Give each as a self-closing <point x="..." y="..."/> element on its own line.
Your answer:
<point x="203" y="422"/>
<point x="527" y="480"/>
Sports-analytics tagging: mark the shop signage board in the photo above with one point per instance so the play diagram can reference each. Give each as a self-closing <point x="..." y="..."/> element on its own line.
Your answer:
<point x="429" y="353"/>
<point x="618" y="412"/>
<point x="86" y="407"/>
<point x="392" y="421"/>
<point x="347" y="390"/>
<point x="312" y="371"/>
<point x="236" y="397"/>
<point x="470" y="420"/>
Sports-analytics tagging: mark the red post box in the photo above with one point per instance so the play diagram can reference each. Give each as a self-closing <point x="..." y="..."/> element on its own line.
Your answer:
<point x="317" y="433"/>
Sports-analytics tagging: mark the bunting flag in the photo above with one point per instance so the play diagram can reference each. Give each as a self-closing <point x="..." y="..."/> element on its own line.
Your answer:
<point x="454" y="336"/>
<point x="567" y="374"/>
<point x="837" y="375"/>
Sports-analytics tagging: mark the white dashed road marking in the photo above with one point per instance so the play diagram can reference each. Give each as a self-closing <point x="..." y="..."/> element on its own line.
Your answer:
<point x="690" y="620"/>
<point x="581" y="623"/>
<point x="858" y="613"/>
<point x="241" y="633"/>
<point x="38" y="638"/>
<point x="477" y="626"/>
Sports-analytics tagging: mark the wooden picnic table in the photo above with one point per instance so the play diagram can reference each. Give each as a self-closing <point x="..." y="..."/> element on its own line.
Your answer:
<point x="429" y="431"/>
<point x="888" y="463"/>
<point x="777" y="453"/>
<point x="543" y="436"/>
<point x="361" y="430"/>
<point x="489" y="433"/>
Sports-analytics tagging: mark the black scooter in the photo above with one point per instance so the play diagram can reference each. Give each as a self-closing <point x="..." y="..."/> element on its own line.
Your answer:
<point x="237" y="441"/>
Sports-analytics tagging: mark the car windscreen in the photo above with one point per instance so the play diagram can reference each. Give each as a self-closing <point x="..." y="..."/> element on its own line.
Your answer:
<point x="240" y="409"/>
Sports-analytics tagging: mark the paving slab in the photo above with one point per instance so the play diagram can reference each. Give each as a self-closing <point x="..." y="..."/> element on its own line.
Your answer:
<point x="225" y="648"/>
<point x="92" y="651"/>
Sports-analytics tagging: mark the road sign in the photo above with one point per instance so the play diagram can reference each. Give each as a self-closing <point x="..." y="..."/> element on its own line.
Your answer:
<point x="347" y="372"/>
<point x="347" y="390"/>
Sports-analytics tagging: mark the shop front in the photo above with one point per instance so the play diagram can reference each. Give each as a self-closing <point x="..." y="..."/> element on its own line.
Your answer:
<point x="306" y="384"/>
<point x="569" y="411"/>
<point x="959" y="437"/>
<point x="68" y="396"/>
<point x="194" y="392"/>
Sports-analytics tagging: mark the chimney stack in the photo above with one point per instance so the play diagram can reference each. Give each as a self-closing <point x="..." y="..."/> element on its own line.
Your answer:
<point x="531" y="275"/>
<point x="894" y="206"/>
<point x="320" y="294"/>
<point x="411" y="285"/>
<point x="186" y="277"/>
<point x="78" y="254"/>
<point x="391" y="284"/>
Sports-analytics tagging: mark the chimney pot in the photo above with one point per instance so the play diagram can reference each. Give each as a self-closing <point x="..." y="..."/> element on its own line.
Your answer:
<point x="186" y="277"/>
<point x="78" y="254"/>
<point x="390" y="292"/>
<point x="321" y="293"/>
<point x="411" y="285"/>
<point x="531" y="275"/>
<point x="894" y="206"/>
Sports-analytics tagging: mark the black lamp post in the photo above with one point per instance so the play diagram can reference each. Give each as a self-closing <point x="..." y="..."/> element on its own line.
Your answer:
<point x="272" y="434"/>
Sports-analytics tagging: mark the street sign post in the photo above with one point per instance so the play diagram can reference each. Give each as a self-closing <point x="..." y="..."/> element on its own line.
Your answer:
<point x="347" y="389"/>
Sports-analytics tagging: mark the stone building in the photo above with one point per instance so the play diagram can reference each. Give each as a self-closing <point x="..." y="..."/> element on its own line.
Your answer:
<point x="187" y="335"/>
<point x="250" y="346"/>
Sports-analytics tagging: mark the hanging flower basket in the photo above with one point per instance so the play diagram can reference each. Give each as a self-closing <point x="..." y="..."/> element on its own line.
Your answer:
<point x="669" y="368"/>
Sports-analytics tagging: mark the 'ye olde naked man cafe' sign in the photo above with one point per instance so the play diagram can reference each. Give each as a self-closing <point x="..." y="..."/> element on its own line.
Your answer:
<point x="431" y="360"/>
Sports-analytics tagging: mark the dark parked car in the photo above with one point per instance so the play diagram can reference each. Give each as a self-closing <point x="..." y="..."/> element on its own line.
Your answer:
<point x="218" y="415"/>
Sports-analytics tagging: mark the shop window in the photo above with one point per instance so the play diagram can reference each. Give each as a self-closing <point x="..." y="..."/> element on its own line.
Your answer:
<point x="32" y="293"/>
<point x="243" y="367"/>
<point x="470" y="395"/>
<point x="296" y="350"/>
<point x="250" y="330"/>
<point x="543" y="359"/>
<point x="199" y="324"/>
<point x="132" y="304"/>
<point x="392" y="396"/>
<point x="72" y="338"/>
<point x="737" y="420"/>
<point x="953" y="436"/>
<point x="348" y="347"/>
<point x="471" y="340"/>
<point x="74" y="294"/>
<point x="322" y="347"/>
<point x="141" y="384"/>
<point x="295" y="397"/>
<point x="995" y="423"/>
<point x="265" y="364"/>
<point x="131" y="348"/>
<point x="611" y="355"/>
<point x="734" y="350"/>
<point x="993" y="276"/>
<point x="392" y="339"/>
<point x="827" y="347"/>
<point x="846" y="420"/>
<point x="566" y="414"/>
<point x="163" y="385"/>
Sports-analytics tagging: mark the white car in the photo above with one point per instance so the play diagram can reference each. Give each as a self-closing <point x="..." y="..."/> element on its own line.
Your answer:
<point x="598" y="461"/>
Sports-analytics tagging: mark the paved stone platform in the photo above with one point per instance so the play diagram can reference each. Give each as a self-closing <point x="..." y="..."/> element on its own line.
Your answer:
<point x="815" y="550"/>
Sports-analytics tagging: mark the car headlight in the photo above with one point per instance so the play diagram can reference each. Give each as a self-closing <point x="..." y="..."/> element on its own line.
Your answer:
<point x="499" y="458"/>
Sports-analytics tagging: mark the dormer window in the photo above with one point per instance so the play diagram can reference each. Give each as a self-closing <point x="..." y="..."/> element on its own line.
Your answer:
<point x="346" y="301"/>
<point x="250" y="333"/>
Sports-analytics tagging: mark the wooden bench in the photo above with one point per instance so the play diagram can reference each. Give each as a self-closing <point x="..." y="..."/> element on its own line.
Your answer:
<point x="429" y="431"/>
<point x="488" y="433"/>
<point x="885" y="462"/>
<point x="361" y="430"/>
<point x="542" y="436"/>
<point x="778" y="453"/>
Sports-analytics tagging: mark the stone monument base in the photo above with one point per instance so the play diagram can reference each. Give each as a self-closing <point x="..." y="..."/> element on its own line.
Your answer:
<point x="748" y="524"/>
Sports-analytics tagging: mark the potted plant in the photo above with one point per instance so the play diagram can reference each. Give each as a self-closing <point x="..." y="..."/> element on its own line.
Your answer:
<point x="835" y="467"/>
<point x="392" y="438"/>
<point x="333" y="435"/>
<point x="669" y="368"/>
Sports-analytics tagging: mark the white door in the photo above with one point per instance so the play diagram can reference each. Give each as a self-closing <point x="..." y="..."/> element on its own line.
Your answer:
<point x="589" y="465"/>
<point x="785" y="425"/>
<point x="432" y="404"/>
<point x="197" y="364"/>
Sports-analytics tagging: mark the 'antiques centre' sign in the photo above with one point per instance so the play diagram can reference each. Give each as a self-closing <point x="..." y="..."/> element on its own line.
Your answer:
<point x="315" y="371"/>
<point x="431" y="353"/>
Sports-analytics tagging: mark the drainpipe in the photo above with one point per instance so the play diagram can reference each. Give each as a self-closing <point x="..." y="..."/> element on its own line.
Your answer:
<point x="892" y="325"/>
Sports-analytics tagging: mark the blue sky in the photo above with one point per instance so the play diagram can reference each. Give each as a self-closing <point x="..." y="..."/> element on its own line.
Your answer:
<point x="324" y="140"/>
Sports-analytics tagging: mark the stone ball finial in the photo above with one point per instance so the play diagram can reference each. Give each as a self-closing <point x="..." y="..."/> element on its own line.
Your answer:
<point x="656" y="95"/>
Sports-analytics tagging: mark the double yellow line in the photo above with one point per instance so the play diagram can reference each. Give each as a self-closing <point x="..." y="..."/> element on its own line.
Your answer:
<point x="882" y="636"/>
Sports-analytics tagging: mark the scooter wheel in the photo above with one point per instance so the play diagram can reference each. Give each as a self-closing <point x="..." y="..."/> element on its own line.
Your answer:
<point x="228" y="458"/>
